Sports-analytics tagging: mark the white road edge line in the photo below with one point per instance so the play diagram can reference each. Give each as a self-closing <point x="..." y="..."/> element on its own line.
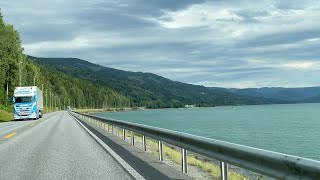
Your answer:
<point x="122" y="162"/>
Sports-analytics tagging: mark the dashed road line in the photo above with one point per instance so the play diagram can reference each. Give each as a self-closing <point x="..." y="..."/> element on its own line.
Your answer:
<point x="10" y="135"/>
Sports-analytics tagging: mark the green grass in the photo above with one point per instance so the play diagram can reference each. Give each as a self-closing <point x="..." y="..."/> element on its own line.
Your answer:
<point x="5" y="116"/>
<point x="206" y="166"/>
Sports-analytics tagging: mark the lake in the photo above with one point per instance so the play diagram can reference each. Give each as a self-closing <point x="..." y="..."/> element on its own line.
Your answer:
<point x="292" y="128"/>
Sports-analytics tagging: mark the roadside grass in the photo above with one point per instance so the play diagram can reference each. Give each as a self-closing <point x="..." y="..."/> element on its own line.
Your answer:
<point x="5" y="116"/>
<point x="206" y="166"/>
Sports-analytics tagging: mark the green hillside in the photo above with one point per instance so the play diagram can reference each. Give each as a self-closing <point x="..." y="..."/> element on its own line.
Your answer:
<point x="147" y="89"/>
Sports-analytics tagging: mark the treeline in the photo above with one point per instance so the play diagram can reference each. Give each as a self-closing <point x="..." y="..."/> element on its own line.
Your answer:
<point x="60" y="90"/>
<point x="11" y="54"/>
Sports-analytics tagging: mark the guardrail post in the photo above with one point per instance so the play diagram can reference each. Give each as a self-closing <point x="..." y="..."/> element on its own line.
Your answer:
<point x="224" y="170"/>
<point x="184" y="160"/>
<point x="144" y="145"/>
<point x="112" y="129"/>
<point x="160" y="150"/>
<point x="124" y="134"/>
<point x="132" y="138"/>
<point x="118" y="131"/>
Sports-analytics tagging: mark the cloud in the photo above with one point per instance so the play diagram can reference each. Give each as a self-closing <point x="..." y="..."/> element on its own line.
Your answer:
<point x="196" y="16"/>
<point x="213" y="43"/>
<point x="302" y="65"/>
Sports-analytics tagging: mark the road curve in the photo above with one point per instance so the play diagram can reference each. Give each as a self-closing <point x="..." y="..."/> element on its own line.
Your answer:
<point x="55" y="147"/>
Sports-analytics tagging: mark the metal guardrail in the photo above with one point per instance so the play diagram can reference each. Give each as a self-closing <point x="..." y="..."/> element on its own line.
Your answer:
<point x="271" y="164"/>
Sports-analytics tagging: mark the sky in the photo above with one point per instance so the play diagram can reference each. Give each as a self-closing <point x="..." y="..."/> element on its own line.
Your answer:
<point x="217" y="43"/>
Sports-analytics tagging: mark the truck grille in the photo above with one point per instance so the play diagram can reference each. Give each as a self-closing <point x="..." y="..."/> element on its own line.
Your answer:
<point x="23" y="111"/>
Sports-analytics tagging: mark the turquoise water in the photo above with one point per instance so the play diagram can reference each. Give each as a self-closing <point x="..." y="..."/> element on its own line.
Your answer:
<point x="292" y="129"/>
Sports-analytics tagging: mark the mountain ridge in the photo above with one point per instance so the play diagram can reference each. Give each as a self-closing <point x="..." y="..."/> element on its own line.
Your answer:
<point x="147" y="89"/>
<point x="298" y="94"/>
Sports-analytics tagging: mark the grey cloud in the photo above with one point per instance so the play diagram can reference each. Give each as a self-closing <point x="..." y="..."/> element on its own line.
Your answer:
<point x="125" y="34"/>
<point x="281" y="38"/>
<point x="110" y="20"/>
<point x="296" y="4"/>
<point x="46" y="32"/>
<point x="249" y="15"/>
<point x="156" y="5"/>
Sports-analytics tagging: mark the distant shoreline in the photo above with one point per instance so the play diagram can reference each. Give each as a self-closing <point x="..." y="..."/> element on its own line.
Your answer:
<point x="105" y="110"/>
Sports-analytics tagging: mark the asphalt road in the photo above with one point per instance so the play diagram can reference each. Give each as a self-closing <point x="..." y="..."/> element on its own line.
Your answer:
<point x="54" y="147"/>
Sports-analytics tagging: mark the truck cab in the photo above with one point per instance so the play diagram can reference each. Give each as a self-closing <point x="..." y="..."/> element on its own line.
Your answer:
<point x="27" y="103"/>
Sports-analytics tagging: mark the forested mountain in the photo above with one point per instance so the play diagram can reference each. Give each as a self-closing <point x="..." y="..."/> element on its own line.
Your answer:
<point x="298" y="95"/>
<point x="61" y="88"/>
<point x="147" y="89"/>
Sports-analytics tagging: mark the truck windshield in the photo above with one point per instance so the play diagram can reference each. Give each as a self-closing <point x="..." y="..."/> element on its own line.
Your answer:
<point x="23" y="99"/>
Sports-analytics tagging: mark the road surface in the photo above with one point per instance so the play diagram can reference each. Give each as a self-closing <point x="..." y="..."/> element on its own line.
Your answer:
<point x="54" y="147"/>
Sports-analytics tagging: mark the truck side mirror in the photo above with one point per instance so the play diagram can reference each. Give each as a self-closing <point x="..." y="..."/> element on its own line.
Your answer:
<point x="12" y="99"/>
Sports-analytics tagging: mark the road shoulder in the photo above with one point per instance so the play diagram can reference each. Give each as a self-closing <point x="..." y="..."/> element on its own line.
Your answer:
<point x="143" y="163"/>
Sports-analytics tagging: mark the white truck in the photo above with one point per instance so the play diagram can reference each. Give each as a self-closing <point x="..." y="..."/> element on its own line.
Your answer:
<point x="27" y="103"/>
